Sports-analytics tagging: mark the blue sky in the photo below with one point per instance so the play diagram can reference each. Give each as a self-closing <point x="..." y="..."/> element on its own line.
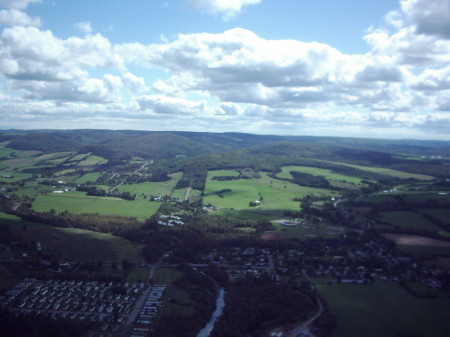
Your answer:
<point x="369" y="68"/>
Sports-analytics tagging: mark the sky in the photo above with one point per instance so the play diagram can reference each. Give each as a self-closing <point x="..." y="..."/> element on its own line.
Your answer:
<point x="350" y="68"/>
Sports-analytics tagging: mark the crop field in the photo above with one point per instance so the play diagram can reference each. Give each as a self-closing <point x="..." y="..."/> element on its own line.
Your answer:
<point x="16" y="176"/>
<point x="277" y="194"/>
<point x="438" y="213"/>
<point x="409" y="220"/>
<point x="307" y="230"/>
<point x="84" y="244"/>
<point x="153" y="188"/>
<point x="88" y="177"/>
<point x="180" y="302"/>
<point x="79" y="202"/>
<point x="391" y="172"/>
<point x="92" y="161"/>
<point x="328" y="174"/>
<point x="222" y="173"/>
<point x="138" y="274"/>
<point x="384" y="309"/>
<point x="6" y="152"/>
<point x="53" y="158"/>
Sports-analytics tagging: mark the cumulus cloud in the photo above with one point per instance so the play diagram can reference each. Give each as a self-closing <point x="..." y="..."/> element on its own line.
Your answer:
<point x="84" y="27"/>
<point x="431" y="17"/>
<point x="228" y="9"/>
<point x="237" y="77"/>
<point x="14" y="17"/>
<point x="165" y="105"/>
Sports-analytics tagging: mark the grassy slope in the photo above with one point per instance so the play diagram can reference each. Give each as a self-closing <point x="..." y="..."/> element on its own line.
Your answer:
<point x="384" y="309"/>
<point x="153" y="188"/>
<point x="78" y="202"/>
<point x="277" y="194"/>
<point x="328" y="174"/>
<point x="84" y="244"/>
<point x="409" y="220"/>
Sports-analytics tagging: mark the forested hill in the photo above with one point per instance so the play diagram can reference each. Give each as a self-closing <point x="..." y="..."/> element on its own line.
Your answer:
<point x="234" y="149"/>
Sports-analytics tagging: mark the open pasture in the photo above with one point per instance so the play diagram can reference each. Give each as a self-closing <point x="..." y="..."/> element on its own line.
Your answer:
<point x="441" y="214"/>
<point x="15" y="176"/>
<point x="327" y="174"/>
<point x="89" y="177"/>
<point x="84" y="244"/>
<point x="384" y="309"/>
<point x="153" y="188"/>
<point x="79" y="202"/>
<point x="306" y="230"/>
<point x="409" y="220"/>
<point x="391" y="172"/>
<point x="276" y="194"/>
<point x="92" y="161"/>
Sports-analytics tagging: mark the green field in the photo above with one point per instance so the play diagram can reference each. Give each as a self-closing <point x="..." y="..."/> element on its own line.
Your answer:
<point x="438" y="213"/>
<point x="138" y="274"/>
<point x="409" y="220"/>
<point x="79" y="202"/>
<point x="384" y="309"/>
<point x="84" y="244"/>
<point x="153" y="188"/>
<point x="92" y="161"/>
<point x="16" y="176"/>
<point x="176" y="299"/>
<point x="53" y="158"/>
<point x="328" y="174"/>
<point x="89" y="177"/>
<point x="277" y="194"/>
<point x="307" y="230"/>
<point x="391" y="172"/>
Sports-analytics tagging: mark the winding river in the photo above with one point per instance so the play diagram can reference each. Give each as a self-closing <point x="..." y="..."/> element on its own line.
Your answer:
<point x="220" y="303"/>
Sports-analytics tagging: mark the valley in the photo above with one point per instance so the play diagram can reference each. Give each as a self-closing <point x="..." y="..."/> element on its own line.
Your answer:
<point x="280" y="223"/>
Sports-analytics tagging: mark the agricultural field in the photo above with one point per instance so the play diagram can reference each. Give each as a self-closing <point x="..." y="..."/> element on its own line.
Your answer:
<point x="438" y="213"/>
<point x="84" y="244"/>
<point x="138" y="274"/>
<point x="179" y="300"/>
<point x="15" y="176"/>
<point x="89" y="177"/>
<point x="92" y="160"/>
<point x="153" y="188"/>
<point x="306" y="230"/>
<point x="276" y="194"/>
<point x="327" y="174"/>
<point x="391" y="172"/>
<point x="79" y="202"/>
<point x="384" y="309"/>
<point x="408" y="220"/>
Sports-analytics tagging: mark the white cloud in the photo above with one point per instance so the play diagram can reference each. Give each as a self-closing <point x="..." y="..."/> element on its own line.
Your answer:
<point x="227" y="8"/>
<point x="431" y="17"/>
<point x="84" y="27"/>
<point x="17" y="4"/>
<point x="165" y="105"/>
<point x="14" y="17"/>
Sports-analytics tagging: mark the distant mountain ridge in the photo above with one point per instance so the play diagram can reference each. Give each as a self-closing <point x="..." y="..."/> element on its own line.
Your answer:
<point x="162" y="144"/>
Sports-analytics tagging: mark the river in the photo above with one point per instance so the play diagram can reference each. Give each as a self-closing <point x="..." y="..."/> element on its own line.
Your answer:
<point x="220" y="304"/>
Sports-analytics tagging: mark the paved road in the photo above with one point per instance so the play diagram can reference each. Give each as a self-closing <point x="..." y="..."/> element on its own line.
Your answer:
<point x="303" y="329"/>
<point x="135" y="311"/>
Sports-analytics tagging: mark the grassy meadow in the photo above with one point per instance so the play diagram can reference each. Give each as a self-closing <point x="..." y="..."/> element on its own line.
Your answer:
<point x="153" y="188"/>
<point x="409" y="220"/>
<point x="327" y="174"/>
<point x="384" y="309"/>
<point x="84" y="244"/>
<point x="79" y="202"/>
<point x="277" y="194"/>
